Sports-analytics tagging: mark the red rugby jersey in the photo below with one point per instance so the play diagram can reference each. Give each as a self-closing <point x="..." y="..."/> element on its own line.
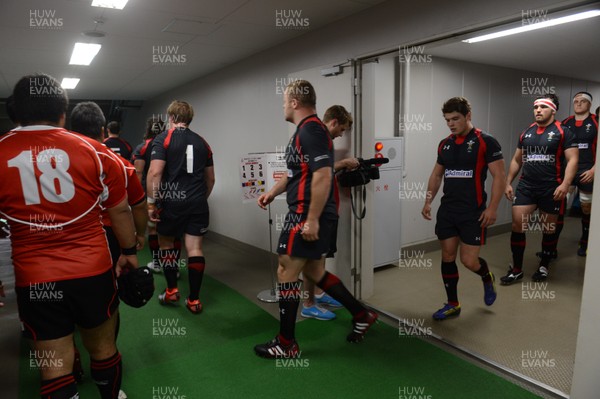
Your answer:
<point x="53" y="182"/>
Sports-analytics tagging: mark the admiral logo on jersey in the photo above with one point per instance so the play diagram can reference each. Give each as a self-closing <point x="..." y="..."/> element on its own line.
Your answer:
<point x="539" y="158"/>
<point x="461" y="174"/>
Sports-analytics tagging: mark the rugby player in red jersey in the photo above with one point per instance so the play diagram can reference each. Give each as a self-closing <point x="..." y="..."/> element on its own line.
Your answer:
<point x="54" y="184"/>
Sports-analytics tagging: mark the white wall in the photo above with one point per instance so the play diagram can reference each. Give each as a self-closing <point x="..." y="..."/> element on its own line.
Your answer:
<point x="586" y="383"/>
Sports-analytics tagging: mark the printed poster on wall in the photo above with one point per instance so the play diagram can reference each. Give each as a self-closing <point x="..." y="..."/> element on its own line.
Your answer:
<point x="259" y="172"/>
<point x="252" y="177"/>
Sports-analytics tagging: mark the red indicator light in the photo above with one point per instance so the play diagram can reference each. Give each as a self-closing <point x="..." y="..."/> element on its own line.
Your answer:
<point x="378" y="146"/>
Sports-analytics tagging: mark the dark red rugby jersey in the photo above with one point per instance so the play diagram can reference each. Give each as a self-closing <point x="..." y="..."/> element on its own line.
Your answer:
<point x="143" y="152"/>
<point x="309" y="149"/>
<point x="586" y="134"/>
<point x="120" y="146"/>
<point x="544" y="153"/>
<point x="465" y="160"/>
<point x="186" y="154"/>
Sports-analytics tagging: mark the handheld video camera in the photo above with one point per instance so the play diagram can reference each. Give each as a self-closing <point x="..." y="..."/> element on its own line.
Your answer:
<point x="367" y="170"/>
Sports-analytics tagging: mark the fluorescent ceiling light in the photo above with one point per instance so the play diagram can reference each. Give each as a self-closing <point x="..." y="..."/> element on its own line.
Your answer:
<point x="539" y="25"/>
<point x="69" y="83"/>
<point x="84" y="53"/>
<point x="117" y="4"/>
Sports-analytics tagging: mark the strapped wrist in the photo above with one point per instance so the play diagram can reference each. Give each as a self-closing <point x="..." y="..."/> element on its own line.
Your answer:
<point x="129" y="251"/>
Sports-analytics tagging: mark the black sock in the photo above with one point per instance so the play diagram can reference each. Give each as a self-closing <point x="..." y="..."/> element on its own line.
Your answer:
<point x="484" y="271"/>
<point x="549" y="242"/>
<point x="560" y="223"/>
<point x="585" y="230"/>
<point x="107" y="375"/>
<point x="153" y="245"/>
<point x="168" y="262"/>
<point x="289" y="301"/>
<point x="332" y="285"/>
<point x="196" y="265"/>
<point x="62" y="387"/>
<point x="517" y="247"/>
<point x="450" y="278"/>
<point x="177" y="248"/>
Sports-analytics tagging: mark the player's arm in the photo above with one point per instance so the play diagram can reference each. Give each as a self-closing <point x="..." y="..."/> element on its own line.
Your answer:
<point x="319" y="192"/>
<point x="209" y="177"/>
<point x="140" y="220"/>
<point x="515" y="166"/>
<point x="139" y="165"/>
<point x="348" y="164"/>
<point x="278" y="188"/>
<point x="572" y="157"/>
<point x="488" y="217"/>
<point x="433" y="186"/>
<point x="153" y="179"/>
<point x="123" y="227"/>
<point x="137" y="201"/>
<point x="116" y="203"/>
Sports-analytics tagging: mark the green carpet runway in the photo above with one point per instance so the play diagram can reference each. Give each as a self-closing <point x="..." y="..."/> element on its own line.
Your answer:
<point x="169" y="353"/>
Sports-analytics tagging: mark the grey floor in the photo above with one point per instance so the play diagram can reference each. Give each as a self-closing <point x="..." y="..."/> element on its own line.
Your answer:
<point x="509" y="332"/>
<point x="532" y="327"/>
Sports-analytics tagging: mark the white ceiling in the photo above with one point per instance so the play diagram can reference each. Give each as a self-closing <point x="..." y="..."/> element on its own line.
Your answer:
<point x="211" y="34"/>
<point x="569" y="50"/>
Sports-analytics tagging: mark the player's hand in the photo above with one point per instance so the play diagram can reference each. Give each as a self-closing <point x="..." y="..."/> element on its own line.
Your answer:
<point x="264" y="200"/>
<point x="587" y="176"/>
<point x="126" y="262"/>
<point x="140" y="240"/>
<point x="351" y="163"/>
<point x="426" y="212"/>
<point x="487" y="218"/>
<point x="2" y="294"/>
<point x="153" y="213"/>
<point x="310" y="230"/>
<point x="508" y="192"/>
<point x="561" y="192"/>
